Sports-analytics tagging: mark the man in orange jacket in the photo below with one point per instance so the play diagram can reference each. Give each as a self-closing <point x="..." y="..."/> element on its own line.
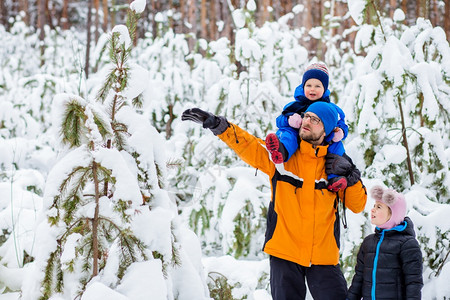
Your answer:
<point x="302" y="235"/>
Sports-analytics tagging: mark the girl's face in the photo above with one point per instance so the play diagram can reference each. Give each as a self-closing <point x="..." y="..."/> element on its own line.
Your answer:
<point x="380" y="213"/>
<point x="313" y="89"/>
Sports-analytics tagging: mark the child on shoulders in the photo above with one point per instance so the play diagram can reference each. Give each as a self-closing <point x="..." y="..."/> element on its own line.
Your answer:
<point x="285" y="141"/>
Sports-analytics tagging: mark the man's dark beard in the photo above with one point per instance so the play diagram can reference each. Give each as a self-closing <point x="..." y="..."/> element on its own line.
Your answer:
<point x="311" y="140"/>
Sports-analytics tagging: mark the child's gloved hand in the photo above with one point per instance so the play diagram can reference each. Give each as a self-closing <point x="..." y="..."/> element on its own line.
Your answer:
<point x="295" y="121"/>
<point x="338" y="134"/>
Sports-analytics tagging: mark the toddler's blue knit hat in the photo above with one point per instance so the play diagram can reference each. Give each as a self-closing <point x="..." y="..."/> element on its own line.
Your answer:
<point x="327" y="114"/>
<point x="318" y="71"/>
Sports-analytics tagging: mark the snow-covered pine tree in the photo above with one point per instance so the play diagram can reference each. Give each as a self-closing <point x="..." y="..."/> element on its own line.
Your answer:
<point x="87" y="129"/>
<point x="166" y="59"/>
<point x="107" y="219"/>
<point x="398" y="105"/>
<point x="397" y="100"/>
<point x="28" y="93"/>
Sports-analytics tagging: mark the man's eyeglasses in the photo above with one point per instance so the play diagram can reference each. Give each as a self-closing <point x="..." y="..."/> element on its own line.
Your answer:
<point x="312" y="119"/>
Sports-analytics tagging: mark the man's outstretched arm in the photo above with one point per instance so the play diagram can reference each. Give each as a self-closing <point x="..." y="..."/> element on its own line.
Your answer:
<point x="249" y="148"/>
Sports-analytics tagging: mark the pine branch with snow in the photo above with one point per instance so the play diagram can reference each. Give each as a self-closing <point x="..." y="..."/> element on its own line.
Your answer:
<point x="88" y="188"/>
<point x="396" y="97"/>
<point x="398" y="105"/>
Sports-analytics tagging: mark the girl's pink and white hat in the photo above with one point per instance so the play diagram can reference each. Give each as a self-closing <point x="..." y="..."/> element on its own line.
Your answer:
<point x="396" y="203"/>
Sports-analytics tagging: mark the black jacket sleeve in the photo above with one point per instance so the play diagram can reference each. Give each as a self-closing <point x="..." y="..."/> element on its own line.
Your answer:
<point x="355" y="290"/>
<point x="411" y="259"/>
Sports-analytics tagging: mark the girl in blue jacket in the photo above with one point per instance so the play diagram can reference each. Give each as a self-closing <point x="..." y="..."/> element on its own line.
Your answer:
<point x="285" y="142"/>
<point x="389" y="263"/>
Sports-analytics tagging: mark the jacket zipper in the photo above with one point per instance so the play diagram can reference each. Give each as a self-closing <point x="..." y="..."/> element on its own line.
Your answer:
<point x="375" y="264"/>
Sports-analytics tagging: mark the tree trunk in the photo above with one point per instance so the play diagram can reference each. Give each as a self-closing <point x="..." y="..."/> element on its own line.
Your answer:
<point x="405" y="143"/>
<point x="154" y="23"/>
<point x="265" y="11"/>
<point x="65" y="15"/>
<point x="212" y="20"/>
<point x="3" y="14"/>
<point x="95" y="222"/>
<point x="308" y="21"/>
<point x="105" y="15"/>
<point x="192" y="20"/>
<point x="113" y="13"/>
<point x="88" y="38"/>
<point x="169" y="122"/>
<point x="171" y="21"/>
<point x="418" y="8"/>
<point x="276" y="9"/>
<point x="204" y="32"/>
<point x="447" y="18"/>
<point x="289" y="6"/>
<point x="24" y="8"/>
<point x="183" y="15"/>
<point x="392" y="8"/>
<point x="405" y="8"/>
<point x="435" y="13"/>
<point x="313" y="18"/>
<point x="97" y="19"/>
<point x="333" y="14"/>
<point x="41" y="25"/>
<point x="229" y="25"/>
<point x="49" y="16"/>
<point x="106" y="183"/>
<point x="319" y="45"/>
<point x="381" y="5"/>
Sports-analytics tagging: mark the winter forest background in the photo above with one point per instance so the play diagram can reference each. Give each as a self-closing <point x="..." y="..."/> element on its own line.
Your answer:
<point x="105" y="193"/>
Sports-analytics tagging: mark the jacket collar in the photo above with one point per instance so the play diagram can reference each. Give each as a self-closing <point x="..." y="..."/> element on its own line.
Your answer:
<point x="400" y="227"/>
<point x="309" y="149"/>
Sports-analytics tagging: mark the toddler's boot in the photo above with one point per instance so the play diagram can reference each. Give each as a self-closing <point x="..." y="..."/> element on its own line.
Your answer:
<point x="277" y="150"/>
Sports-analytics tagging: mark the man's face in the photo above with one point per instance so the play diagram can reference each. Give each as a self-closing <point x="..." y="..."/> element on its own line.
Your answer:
<point x="312" y="130"/>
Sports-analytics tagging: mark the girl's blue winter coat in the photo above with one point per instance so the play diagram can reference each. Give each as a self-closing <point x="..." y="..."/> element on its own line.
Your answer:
<point x="389" y="265"/>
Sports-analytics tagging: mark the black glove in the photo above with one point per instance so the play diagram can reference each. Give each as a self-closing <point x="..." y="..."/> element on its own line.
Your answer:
<point x="217" y="124"/>
<point x="342" y="166"/>
<point x="353" y="177"/>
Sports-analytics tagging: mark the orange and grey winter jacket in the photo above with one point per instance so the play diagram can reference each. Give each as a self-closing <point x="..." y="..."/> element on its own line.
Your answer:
<point x="302" y="222"/>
